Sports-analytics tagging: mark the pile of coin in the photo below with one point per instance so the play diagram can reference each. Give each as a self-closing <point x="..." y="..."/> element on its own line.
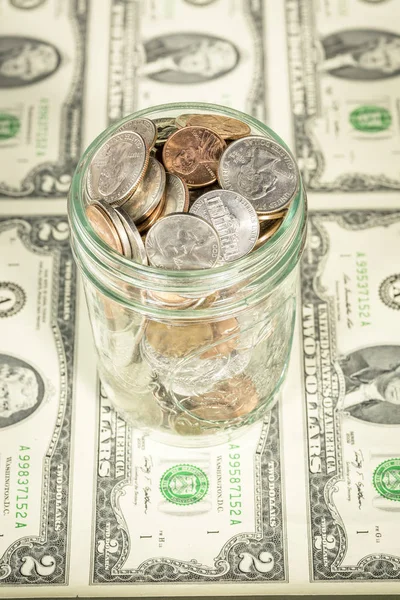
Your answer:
<point x="191" y="192"/>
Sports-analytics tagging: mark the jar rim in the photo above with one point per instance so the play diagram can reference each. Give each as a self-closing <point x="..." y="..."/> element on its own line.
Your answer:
<point x="256" y="261"/>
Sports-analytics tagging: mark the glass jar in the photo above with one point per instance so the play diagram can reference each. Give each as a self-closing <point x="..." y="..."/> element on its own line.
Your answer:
<point x="191" y="357"/>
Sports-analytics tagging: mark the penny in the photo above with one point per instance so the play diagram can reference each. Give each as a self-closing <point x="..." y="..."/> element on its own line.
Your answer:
<point x="148" y="194"/>
<point x="175" y="341"/>
<point x="170" y="300"/>
<point x="144" y="226"/>
<point x="117" y="168"/>
<point x="226" y="127"/>
<point x="138" y="252"/>
<point x="267" y="230"/>
<point x="261" y="170"/>
<point x="182" y="241"/>
<point x="228" y="332"/>
<point x="232" y="398"/>
<point x="234" y="219"/>
<point x="176" y="195"/>
<point x="144" y="127"/>
<point x="193" y="153"/>
<point x="165" y="128"/>
<point x="272" y="216"/>
<point x="104" y="226"/>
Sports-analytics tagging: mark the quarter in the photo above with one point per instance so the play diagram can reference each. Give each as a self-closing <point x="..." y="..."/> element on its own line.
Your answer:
<point x="148" y="194"/>
<point x="144" y="127"/>
<point x="181" y="241"/>
<point x="262" y="171"/>
<point x="176" y="195"/>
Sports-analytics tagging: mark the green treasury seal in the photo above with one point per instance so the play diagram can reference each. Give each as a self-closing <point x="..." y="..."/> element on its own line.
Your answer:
<point x="386" y="479"/>
<point x="184" y="484"/>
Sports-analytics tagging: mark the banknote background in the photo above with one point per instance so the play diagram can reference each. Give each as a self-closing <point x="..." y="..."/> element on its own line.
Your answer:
<point x="91" y="63"/>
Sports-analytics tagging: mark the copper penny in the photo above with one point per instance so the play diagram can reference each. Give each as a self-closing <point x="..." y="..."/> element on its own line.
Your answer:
<point x="193" y="153"/>
<point x="267" y="230"/>
<point x="226" y="127"/>
<point x="176" y="341"/>
<point x="232" y="398"/>
<point x="272" y="216"/>
<point x="228" y="328"/>
<point x="104" y="227"/>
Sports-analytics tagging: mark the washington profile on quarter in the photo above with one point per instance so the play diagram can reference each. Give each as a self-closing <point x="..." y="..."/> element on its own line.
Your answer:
<point x="233" y="217"/>
<point x="261" y="170"/>
<point x="144" y="127"/>
<point x="117" y="168"/>
<point x="181" y="241"/>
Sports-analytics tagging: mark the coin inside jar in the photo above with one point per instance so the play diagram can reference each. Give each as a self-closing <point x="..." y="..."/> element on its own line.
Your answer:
<point x="261" y="170"/>
<point x="138" y="252"/>
<point x="176" y="195"/>
<point x="183" y="242"/>
<point x="226" y="332"/>
<point x="144" y="127"/>
<point x="117" y="168"/>
<point x="233" y="217"/>
<point x="144" y="226"/>
<point x="148" y="194"/>
<point x="104" y="226"/>
<point x="176" y="341"/>
<point x="193" y="153"/>
<point x="267" y="230"/>
<point x="226" y="127"/>
<point x="232" y="398"/>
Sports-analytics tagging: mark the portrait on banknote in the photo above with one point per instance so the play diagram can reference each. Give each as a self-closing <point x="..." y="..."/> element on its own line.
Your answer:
<point x="25" y="61"/>
<point x="22" y="390"/>
<point x="182" y="58"/>
<point x="361" y="54"/>
<point x="372" y="377"/>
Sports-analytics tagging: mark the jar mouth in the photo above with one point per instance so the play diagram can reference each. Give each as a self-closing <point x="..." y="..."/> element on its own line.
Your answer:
<point x="267" y="259"/>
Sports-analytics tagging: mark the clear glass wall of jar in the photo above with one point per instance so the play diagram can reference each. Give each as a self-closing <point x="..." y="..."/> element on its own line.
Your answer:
<point x="192" y="357"/>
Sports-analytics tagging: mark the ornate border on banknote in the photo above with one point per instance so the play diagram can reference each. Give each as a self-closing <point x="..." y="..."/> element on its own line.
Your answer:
<point x="43" y="559"/>
<point x="302" y="41"/>
<point x="327" y="533"/>
<point x="53" y="179"/>
<point x="123" y="77"/>
<point x="244" y="557"/>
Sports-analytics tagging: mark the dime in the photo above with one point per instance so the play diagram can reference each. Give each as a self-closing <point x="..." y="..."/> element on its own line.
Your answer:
<point x="144" y="226"/>
<point x="232" y="398"/>
<point x="261" y="170"/>
<point x="149" y="193"/>
<point x="267" y="230"/>
<point x="117" y="168"/>
<point x="104" y="226"/>
<point x="193" y="153"/>
<point x="144" y="127"/>
<point x="176" y="195"/>
<point x="234" y="219"/>
<point x="182" y="241"/>
<point x="138" y="252"/>
<point x="175" y="341"/>
<point x="226" y="127"/>
<point x="165" y="128"/>
<point x="272" y="216"/>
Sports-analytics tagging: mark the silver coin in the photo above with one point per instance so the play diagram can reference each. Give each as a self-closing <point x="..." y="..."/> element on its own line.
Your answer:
<point x="176" y="195"/>
<point x="261" y="170"/>
<point x="144" y="127"/>
<point x="182" y="241"/>
<point x="233" y="217"/>
<point x="138" y="252"/>
<point x="117" y="168"/>
<point x="115" y="218"/>
<point x="148" y="194"/>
